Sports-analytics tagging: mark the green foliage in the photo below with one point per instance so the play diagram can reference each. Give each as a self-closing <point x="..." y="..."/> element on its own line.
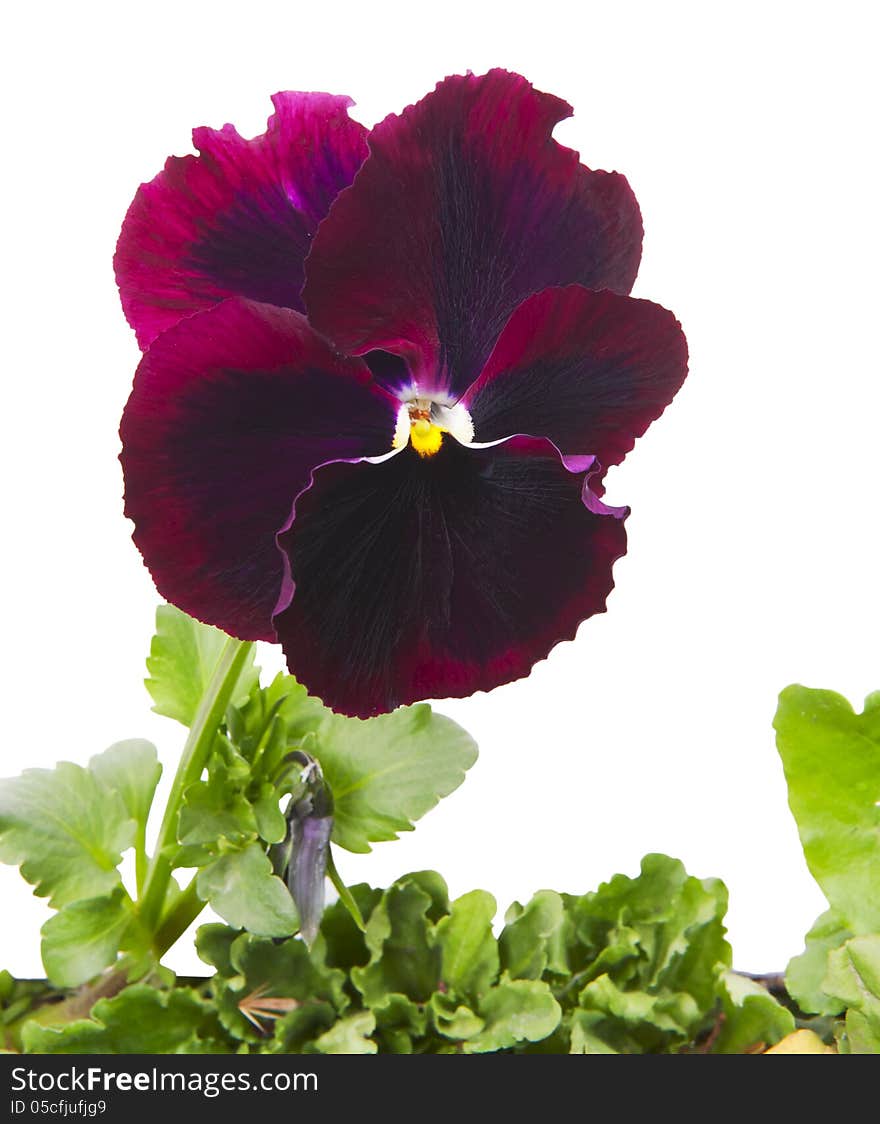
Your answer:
<point x="243" y="890"/>
<point x="85" y="936"/>
<point x="67" y="831"/>
<point x="751" y="1016"/>
<point x="853" y="977"/>
<point x="350" y="1035"/>
<point x="646" y="957"/>
<point x="512" y="1012"/>
<point x="388" y="771"/>
<point x="638" y="966"/>
<point x="68" y="827"/>
<point x="831" y="758"/>
<point x="383" y="773"/>
<point x="140" y="1020"/>
<point x="469" y="962"/>
<point x="183" y="655"/>
<point x="401" y="937"/>
<point x="131" y="769"/>
<point x="531" y="939"/>
<point x="805" y="972"/>
<point x="20" y="1001"/>
<point x="270" y="993"/>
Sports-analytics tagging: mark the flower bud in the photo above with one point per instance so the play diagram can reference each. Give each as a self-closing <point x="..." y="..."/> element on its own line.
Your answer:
<point x="301" y="859"/>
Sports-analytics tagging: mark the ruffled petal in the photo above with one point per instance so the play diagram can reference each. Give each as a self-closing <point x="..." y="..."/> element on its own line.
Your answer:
<point x="464" y="208"/>
<point x="429" y="577"/>
<point x="589" y="370"/>
<point x="238" y="219"/>
<point x="231" y="410"/>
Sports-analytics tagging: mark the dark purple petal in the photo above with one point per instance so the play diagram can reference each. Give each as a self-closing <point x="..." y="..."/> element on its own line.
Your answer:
<point x="591" y="371"/>
<point x="464" y="208"/>
<point x="230" y="411"/>
<point x="238" y="219"/>
<point x="429" y="577"/>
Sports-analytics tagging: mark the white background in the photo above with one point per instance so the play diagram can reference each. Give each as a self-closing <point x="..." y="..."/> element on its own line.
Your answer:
<point x="748" y="132"/>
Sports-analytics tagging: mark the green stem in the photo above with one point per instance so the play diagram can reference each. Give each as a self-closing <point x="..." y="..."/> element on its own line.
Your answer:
<point x="140" y="858"/>
<point x="345" y="895"/>
<point x="176" y="922"/>
<point x="212" y="707"/>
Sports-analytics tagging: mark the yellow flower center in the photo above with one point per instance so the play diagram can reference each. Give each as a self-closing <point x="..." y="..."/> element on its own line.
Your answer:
<point x="422" y="423"/>
<point x="426" y="437"/>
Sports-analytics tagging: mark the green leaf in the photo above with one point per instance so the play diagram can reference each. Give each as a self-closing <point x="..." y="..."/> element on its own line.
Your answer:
<point x="140" y="1020"/>
<point x="346" y="898"/>
<point x="751" y="1016"/>
<point x="586" y="1035"/>
<point x="183" y="655"/>
<point x="85" y="937"/>
<point x="647" y="955"/>
<point x="401" y="937"/>
<point x="132" y="769"/>
<point x="452" y="1019"/>
<point x="66" y="830"/>
<point x="388" y="771"/>
<point x="340" y="943"/>
<point x="854" y="973"/>
<point x="270" y="820"/>
<point x="214" y="947"/>
<point x="854" y="977"/>
<point x="642" y="1022"/>
<point x="661" y="929"/>
<point x="350" y="1035"/>
<point x="432" y="884"/>
<point x="252" y="970"/>
<point x="862" y="1033"/>
<point x="831" y="757"/>
<point x="274" y="721"/>
<point x="804" y="975"/>
<point x="298" y="710"/>
<point x="242" y="888"/>
<point x="526" y="940"/>
<point x="295" y="1031"/>
<point x="213" y="810"/>
<point x="515" y="1011"/>
<point x="399" y="1022"/>
<point x="469" y="951"/>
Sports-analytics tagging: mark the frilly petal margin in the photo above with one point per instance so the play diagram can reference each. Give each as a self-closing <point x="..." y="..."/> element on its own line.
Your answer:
<point x="238" y="219"/>
<point x="231" y="409"/>
<point x="464" y="207"/>
<point x="591" y="371"/>
<point x="434" y="577"/>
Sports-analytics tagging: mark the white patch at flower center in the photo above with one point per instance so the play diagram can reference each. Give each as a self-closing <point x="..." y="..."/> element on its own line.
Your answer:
<point x="424" y="422"/>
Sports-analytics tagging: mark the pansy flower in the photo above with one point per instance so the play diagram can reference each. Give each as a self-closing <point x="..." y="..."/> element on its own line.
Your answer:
<point x="384" y="375"/>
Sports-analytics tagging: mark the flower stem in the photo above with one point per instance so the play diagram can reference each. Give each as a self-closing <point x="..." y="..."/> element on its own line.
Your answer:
<point x="345" y="895"/>
<point x="178" y="919"/>
<point x="198" y="745"/>
<point x="140" y="857"/>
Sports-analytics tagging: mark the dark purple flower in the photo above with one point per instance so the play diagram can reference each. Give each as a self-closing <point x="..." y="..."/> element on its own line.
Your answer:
<point x="403" y="489"/>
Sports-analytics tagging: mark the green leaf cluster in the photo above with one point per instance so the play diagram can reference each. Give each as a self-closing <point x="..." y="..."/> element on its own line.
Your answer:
<point x="68" y="827"/>
<point x="139" y="1020"/>
<point x="384" y="773"/>
<point x="831" y="758"/>
<point x="431" y="973"/>
<point x="649" y="968"/>
<point x="639" y="966"/>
